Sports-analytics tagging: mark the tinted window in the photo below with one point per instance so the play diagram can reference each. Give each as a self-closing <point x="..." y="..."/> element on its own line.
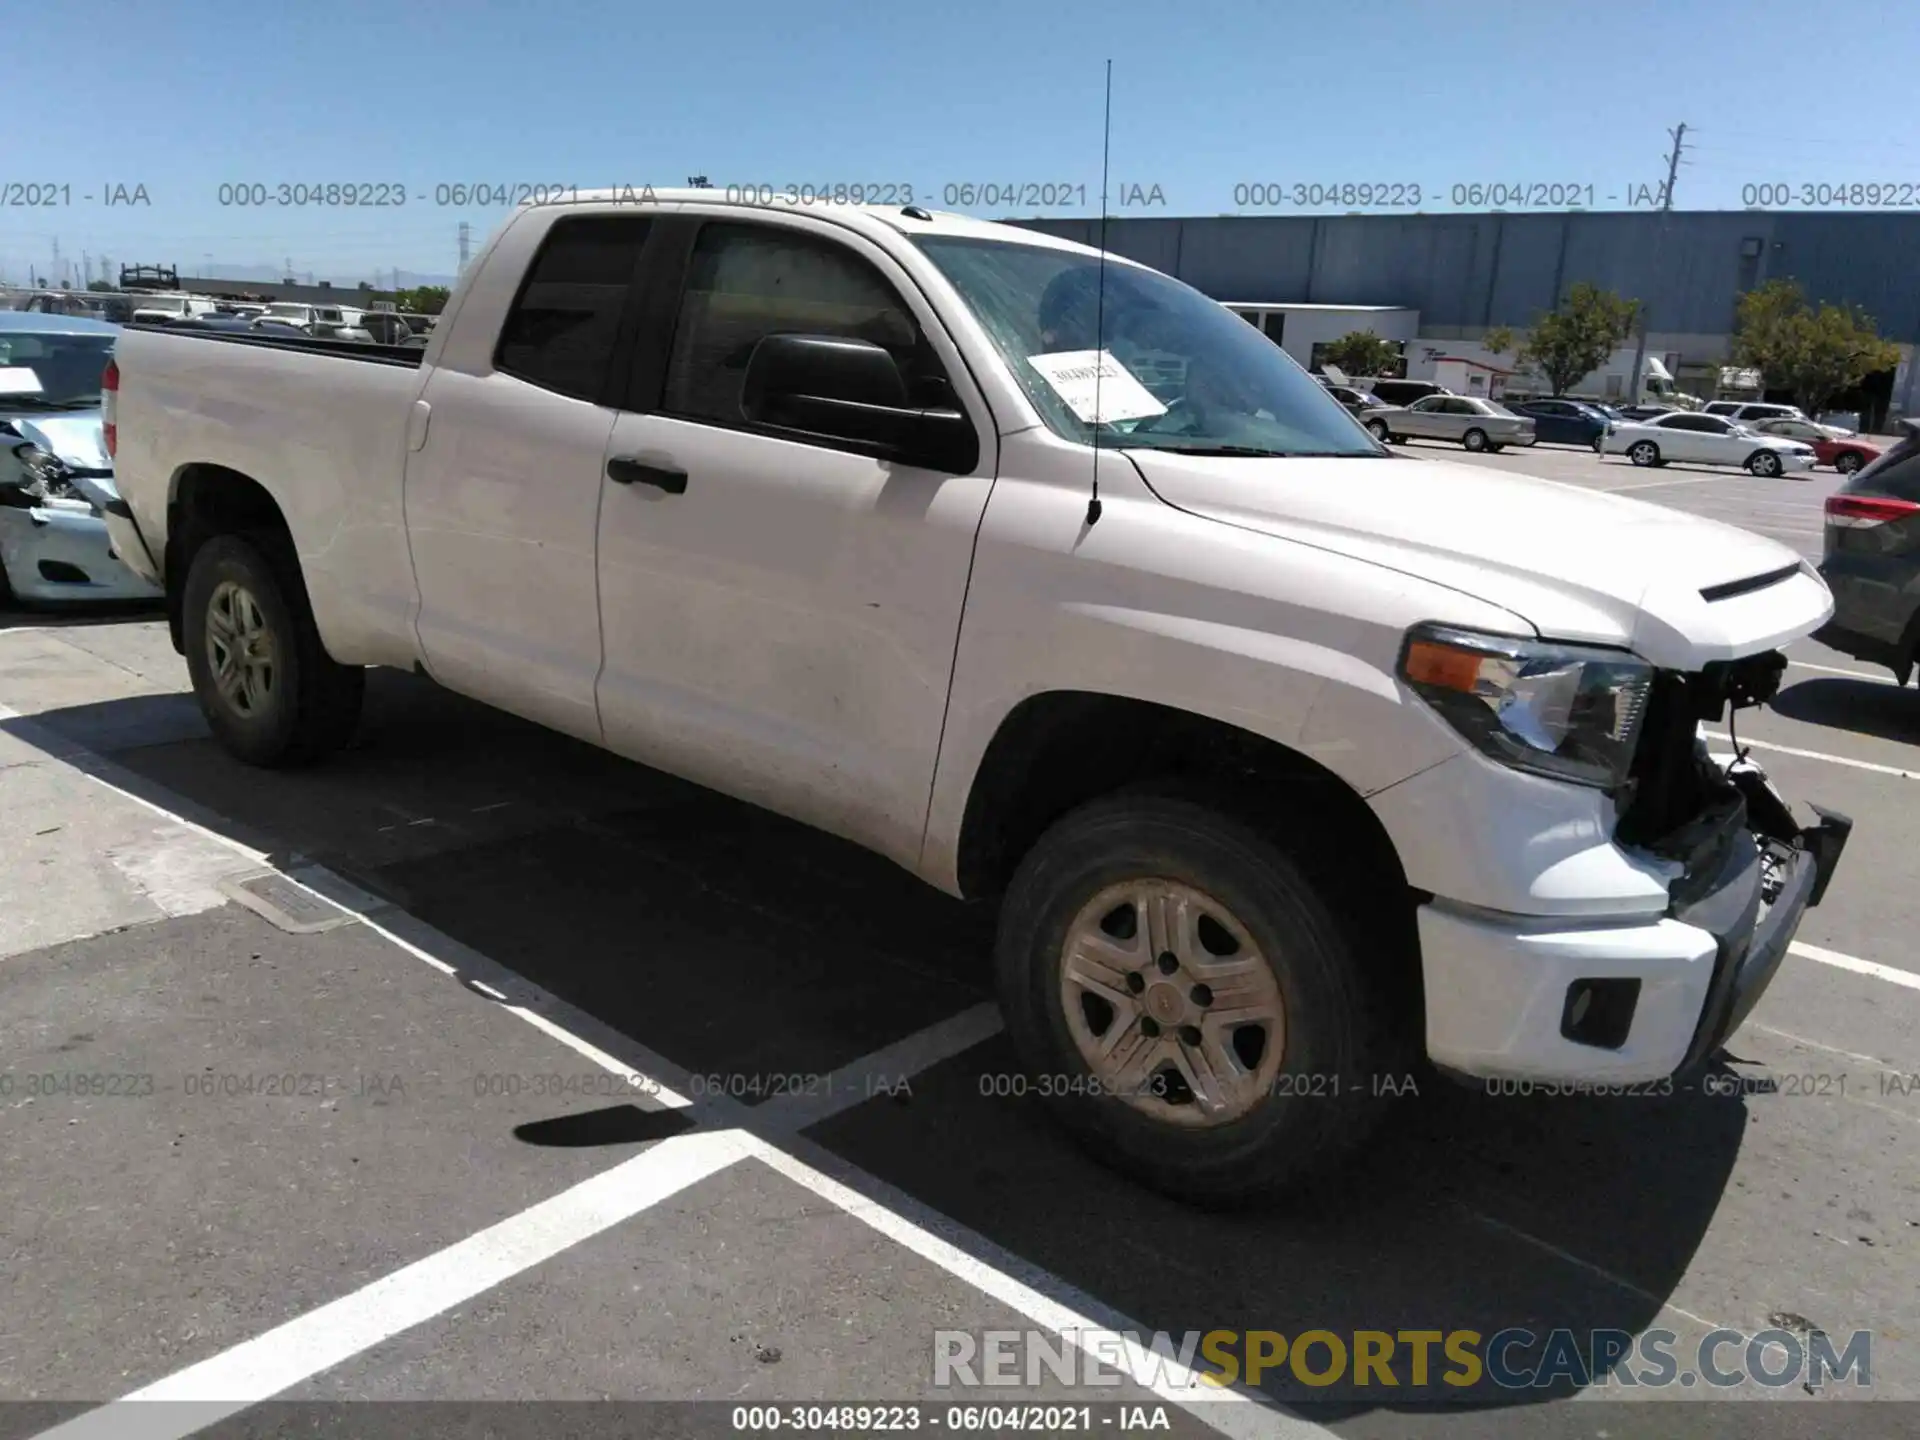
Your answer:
<point x="750" y="281"/>
<point x="560" y="333"/>
<point x="1895" y="473"/>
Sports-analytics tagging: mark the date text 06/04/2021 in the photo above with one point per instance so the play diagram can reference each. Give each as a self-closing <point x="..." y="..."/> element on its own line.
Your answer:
<point x="965" y="194"/>
<point x="1027" y="1419"/>
<point x="1387" y="194"/>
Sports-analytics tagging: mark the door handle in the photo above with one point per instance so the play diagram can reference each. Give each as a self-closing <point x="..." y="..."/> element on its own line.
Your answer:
<point x="626" y="470"/>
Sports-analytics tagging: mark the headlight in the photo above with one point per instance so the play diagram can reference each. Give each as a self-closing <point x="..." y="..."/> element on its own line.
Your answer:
<point x="1569" y="711"/>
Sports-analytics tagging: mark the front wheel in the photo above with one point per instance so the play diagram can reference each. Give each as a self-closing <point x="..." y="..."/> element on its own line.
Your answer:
<point x="1378" y="429"/>
<point x="1186" y="1001"/>
<point x="1764" y="463"/>
<point x="1474" y="439"/>
<point x="1644" y="453"/>
<point x="1847" y="461"/>
<point x="270" y="692"/>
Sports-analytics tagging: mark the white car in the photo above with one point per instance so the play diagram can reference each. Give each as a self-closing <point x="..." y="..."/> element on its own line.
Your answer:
<point x="1288" y="761"/>
<point x="1748" y="412"/>
<point x="1705" y="440"/>
<point x="55" y="475"/>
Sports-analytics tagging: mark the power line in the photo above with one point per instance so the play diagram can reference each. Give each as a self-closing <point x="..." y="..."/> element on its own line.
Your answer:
<point x="1679" y="135"/>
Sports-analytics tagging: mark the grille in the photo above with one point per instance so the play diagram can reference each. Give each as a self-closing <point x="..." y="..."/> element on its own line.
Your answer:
<point x="1671" y="781"/>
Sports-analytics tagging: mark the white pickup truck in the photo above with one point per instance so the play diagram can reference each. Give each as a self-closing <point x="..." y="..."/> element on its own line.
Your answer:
<point x="1290" y="762"/>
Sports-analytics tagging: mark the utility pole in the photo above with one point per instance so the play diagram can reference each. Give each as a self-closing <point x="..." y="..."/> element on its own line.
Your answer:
<point x="1679" y="135"/>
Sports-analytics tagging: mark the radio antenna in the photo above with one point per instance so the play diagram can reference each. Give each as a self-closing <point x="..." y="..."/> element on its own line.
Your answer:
<point x="1100" y="298"/>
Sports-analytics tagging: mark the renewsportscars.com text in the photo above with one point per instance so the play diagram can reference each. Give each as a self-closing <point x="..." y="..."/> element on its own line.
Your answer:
<point x="1445" y="1361"/>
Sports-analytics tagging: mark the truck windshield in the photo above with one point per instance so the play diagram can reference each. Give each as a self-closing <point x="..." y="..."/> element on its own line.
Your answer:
<point x="1188" y="373"/>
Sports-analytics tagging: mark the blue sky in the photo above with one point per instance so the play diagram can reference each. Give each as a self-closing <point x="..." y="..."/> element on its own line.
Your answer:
<point x="180" y="98"/>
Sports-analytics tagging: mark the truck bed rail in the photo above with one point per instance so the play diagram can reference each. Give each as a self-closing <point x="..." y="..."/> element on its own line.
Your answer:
<point x="371" y="351"/>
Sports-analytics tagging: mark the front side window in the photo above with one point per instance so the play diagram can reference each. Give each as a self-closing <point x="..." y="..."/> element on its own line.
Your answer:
<point x="1191" y="375"/>
<point x="561" y="330"/>
<point x="750" y="281"/>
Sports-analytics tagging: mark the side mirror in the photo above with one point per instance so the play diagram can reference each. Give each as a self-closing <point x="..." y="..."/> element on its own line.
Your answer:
<point x="835" y="388"/>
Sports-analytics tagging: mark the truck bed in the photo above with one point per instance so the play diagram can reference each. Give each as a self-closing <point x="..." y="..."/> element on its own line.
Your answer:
<point x="367" y="350"/>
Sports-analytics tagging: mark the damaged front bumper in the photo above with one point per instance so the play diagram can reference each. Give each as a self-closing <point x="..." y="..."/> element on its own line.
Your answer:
<point x="1771" y="871"/>
<point x="1647" y="997"/>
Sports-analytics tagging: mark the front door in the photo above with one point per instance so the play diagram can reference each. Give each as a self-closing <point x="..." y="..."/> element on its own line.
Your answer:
<point x="780" y="616"/>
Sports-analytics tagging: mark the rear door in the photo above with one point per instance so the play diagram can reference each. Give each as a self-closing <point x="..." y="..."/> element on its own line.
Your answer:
<point x="1872" y="559"/>
<point x="781" y="612"/>
<point x="1424" y="418"/>
<point x="504" y="483"/>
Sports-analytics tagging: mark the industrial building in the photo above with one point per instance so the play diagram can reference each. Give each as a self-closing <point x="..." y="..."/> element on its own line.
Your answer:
<point x="1466" y="273"/>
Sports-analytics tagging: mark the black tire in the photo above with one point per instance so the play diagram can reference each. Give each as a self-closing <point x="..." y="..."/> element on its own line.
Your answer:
<point x="1644" y="453"/>
<point x="1378" y="430"/>
<point x="1493" y="449"/>
<point x="1765" y="464"/>
<point x="1321" y="1104"/>
<point x="1847" y="461"/>
<point x="313" y="705"/>
<point x="1475" y="439"/>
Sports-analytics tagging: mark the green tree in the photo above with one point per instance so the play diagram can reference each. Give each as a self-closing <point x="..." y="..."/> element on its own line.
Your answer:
<point x="1575" y="340"/>
<point x="1498" y="340"/>
<point x="1814" y="353"/>
<point x="99" y="285"/>
<point x="1360" y="352"/>
<point x="422" y="299"/>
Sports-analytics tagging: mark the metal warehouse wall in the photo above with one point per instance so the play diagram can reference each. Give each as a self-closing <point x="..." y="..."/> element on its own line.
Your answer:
<point x="1490" y="269"/>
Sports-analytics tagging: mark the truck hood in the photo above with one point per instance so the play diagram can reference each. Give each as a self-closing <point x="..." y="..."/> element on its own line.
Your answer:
<point x="1575" y="564"/>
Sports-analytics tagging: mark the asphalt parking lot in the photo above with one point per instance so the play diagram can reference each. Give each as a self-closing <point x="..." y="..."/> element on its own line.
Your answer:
<point x="481" y="1066"/>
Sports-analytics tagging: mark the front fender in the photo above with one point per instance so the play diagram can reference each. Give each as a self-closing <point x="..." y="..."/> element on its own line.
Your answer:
<point x="1292" y="643"/>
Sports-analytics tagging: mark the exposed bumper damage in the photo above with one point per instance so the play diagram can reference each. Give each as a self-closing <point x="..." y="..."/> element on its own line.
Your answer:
<point x="54" y="541"/>
<point x="1644" y="998"/>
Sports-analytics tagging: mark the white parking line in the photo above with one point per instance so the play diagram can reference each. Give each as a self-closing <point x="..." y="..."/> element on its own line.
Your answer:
<point x="1816" y="755"/>
<point x="1906" y="979"/>
<point x="1042" y="1298"/>
<point x="284" y="1356"/>
<point x="1656" y="484"/>
<point x="1837" y="670"/>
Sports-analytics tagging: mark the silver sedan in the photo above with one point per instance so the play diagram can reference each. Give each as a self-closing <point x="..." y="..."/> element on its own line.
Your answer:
<point x="1464" y="419"/>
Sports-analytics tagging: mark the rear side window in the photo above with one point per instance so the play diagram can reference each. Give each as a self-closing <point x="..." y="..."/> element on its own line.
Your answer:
<point x="561" y="331"/>
<point x="1896" y="473"/>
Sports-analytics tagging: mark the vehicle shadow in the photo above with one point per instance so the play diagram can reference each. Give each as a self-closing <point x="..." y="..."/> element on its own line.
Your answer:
<point x="51" y="617"/>
<point x="1889" y="712"/>
<point x="749" y="949"/>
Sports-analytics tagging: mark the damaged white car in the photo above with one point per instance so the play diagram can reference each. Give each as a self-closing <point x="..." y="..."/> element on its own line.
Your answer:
<point x="56" y="478"/>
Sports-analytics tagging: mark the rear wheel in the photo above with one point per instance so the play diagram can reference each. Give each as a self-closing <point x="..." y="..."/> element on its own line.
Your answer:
<point x="1847" y="461"/>
<point x="1187" y="1001"/>
<point x="1475" y="439"/>
<point x="1643" y="453"/>
<point x="1764" y="463"/>
<point x="269" y="690"/>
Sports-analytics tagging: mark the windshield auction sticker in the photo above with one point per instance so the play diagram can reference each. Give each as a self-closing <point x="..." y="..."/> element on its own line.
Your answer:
<point x="1097" y="388"/>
